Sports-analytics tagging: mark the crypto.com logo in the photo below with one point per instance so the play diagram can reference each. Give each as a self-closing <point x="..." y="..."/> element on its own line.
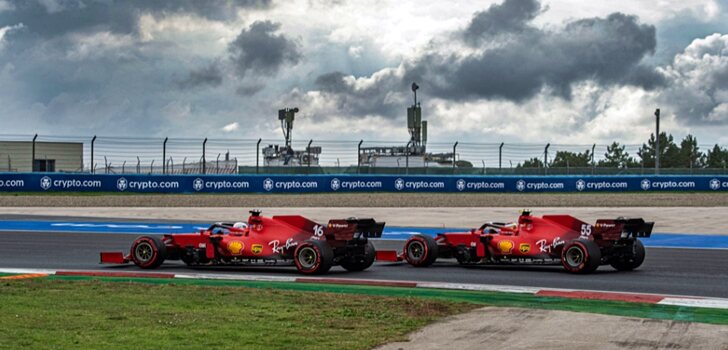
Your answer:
<point x="399" y="184"/>
<point x="335" y="184"/>
<point x="268" y="184"/>
<point x="198" y="184"/>
<point x="645" y="184"/>
<point x="520" y="185"/>
<point x="45" y="182"/>
<point x="122" y="184"/>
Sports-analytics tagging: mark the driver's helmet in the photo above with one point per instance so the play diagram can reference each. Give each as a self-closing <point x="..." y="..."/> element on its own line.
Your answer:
<point x="240" y="225"/>
<point x="511" y="225"/>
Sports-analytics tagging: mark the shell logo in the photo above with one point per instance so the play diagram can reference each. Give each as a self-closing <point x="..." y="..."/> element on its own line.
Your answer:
<point x="505" y="247"/>
<point x="235" y="247"/>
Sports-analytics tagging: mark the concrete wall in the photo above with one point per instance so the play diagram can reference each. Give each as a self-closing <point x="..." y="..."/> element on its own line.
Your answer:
<point x="68" y="155"/>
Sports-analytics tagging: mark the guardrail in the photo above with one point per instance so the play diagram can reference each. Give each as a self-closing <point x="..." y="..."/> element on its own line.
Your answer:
<point x="57" y="182"/>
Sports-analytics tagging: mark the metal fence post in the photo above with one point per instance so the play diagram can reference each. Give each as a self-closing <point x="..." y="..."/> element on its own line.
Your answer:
<point x="217" y="164"/>
<point x="93" y="140"/>
<point x="32" y="162"/>
<point x="500" y="156"/>
<point x="164" y="155"/>
<point x="204" y="160"/>
<point x="358" y="157"/>
<point x="657" y="141"/>
<point x="406" y="159"/>
<point x="139" y="165"/>
<point x="594" y="165"/>
<point x="546" y="159"/>
<point x="454" y="158"/>
<point x="257" y="156"/>
<point x="308" y="149"/>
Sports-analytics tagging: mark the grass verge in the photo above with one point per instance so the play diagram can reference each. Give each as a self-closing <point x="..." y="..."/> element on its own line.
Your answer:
<point x="83" y="312"/>
<point x="58" y="313"/>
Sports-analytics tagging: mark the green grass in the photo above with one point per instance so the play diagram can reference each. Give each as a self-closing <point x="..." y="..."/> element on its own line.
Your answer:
<point x="616" y="308"/>
<point x="53" y="313"/>
<point x="102" y="312"/>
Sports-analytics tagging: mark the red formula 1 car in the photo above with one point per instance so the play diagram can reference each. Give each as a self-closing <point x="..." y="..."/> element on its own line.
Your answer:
<point x="580" y="247"/>
<point x="312" y="247"/>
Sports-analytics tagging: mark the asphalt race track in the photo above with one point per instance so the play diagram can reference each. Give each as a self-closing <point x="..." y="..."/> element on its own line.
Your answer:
<point x="694" y="272"/>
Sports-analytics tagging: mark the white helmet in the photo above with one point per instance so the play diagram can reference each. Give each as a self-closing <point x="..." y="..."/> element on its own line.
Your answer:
<point x="241" y="225"/>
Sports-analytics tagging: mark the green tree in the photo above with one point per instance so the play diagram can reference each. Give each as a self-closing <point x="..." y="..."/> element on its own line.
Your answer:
<point x="669" y="152"/>
<point x="564" y="159"/>
<point x="617" y="157"/>
<point x="689" y="155"/>
<point x="534" y="162"/>
<point x="717" y="157"/>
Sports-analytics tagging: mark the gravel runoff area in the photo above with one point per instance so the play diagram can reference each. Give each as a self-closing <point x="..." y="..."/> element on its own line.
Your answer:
<point x="515" y="328"/>
<point x="699" y="220"/>
<point x="523" y="200"/>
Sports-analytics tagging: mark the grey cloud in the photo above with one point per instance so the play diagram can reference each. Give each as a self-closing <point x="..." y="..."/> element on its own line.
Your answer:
<point x="698" y="89"/>
<point x="511" y="16"/>
<point x="249" y="89"/>
<point x="205" y="76"/>
<point x="259" y="49"/>
<point x="607" y="50"/>
<point x="117" y="16"/>
<point x="383" y="96"/>
<point x="519" y="62"/>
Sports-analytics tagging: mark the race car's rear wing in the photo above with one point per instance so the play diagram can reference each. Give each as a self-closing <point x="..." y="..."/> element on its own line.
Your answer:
<point x="354" y="228"/>
<point x="368" y="227"/>
<point x="615" y="229"/>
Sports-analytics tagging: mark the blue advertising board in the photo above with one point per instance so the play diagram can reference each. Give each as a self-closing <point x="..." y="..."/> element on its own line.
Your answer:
<point x="62" y="182"/>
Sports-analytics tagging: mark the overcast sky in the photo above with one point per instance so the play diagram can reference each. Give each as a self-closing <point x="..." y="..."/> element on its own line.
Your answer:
<point x="561" y="71"/>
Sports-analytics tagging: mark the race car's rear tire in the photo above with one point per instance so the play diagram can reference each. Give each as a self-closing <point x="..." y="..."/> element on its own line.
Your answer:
<point x="361" y="262"/>
<point x="580" y="256"/>
<point x="313" y="257"/>
<point x="631" y="262"/>
<point x="148" y="252"/>
<point x="420" y="251"/>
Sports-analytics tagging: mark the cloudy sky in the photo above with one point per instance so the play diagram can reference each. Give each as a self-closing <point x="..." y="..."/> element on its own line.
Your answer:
<point x="561" y="71"/>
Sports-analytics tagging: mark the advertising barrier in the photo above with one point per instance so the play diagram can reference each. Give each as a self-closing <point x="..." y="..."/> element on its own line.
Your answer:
<point x="60" y="182"/>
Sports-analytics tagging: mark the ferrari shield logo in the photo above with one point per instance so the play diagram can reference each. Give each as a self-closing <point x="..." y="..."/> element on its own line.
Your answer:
<point x="505" y="247"/>
<point x="235" y="247"/>
<point x="256" y="249"/>
<point x="524" y="248"/>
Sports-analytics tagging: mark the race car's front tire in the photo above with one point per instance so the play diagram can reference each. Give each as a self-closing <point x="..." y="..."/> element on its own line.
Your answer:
<point x="148" y="252"/>
<point x="420" y="251"/>
<point x="579" y="256"/>
<point x="361" y="262"/>
<point x="632" y="262"/>
<point x="313" y="257"/>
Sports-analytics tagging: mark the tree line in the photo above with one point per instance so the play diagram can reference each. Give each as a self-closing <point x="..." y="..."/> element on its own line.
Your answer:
<point x="685" y="155"/>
